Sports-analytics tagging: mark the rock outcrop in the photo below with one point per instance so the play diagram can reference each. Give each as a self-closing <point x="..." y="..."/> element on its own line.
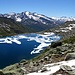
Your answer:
<point x="70" y="56"/>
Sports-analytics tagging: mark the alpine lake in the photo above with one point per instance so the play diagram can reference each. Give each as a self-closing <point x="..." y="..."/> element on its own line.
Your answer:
<point x="24" y="46"/>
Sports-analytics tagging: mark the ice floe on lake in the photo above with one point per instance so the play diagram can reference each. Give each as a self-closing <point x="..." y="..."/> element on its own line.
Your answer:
<point x="44" y="40"/>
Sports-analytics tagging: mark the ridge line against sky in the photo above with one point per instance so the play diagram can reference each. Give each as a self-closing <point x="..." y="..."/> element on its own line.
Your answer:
<point x="49" y="8"/>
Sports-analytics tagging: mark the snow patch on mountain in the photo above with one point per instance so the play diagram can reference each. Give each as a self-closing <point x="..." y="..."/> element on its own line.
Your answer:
<point x="43" y="17"/>
<point x="31" y="16"/>
<point x="18" y="19"/>
<point x="64" y="19"/>
<point x="66" y="29"/>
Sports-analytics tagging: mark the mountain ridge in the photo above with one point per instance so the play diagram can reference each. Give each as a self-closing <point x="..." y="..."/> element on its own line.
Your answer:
<point x="35" y="21"/>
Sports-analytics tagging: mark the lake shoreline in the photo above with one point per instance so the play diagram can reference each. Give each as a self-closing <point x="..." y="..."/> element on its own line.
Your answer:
<point x="18" y="46"/>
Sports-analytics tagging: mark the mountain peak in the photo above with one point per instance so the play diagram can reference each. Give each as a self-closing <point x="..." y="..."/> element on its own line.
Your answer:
<point x="35" y="20"/>
<point x="64" y="18"/>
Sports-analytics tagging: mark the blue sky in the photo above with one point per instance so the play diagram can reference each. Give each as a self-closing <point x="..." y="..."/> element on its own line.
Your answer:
<point x="49" y="8"/>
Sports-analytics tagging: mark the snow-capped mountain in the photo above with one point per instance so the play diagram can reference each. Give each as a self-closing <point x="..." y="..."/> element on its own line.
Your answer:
<point x="36" y="21"/>
<point x="64" y="19"/>
<point x="33" y="20"/>
<point x="27" y="15"/>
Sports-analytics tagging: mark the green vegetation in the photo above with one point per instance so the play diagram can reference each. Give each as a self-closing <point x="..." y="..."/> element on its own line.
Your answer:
<point x="69" y="40"/>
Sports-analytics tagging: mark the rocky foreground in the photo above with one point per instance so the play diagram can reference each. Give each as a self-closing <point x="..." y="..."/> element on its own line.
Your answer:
<point x="59" y="58"/>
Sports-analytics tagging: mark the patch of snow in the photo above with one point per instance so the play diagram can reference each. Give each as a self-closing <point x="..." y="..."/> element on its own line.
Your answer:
<point x="73" y="25"/>
<point x="57" y="30"/>
<point x="28" y="14"/>
<point x="44" y="22"/>
<point x="48" y="33"/>
<point x="18" y="19"/>
<point x="64" y="31"/>
<point x="63" y="19"/>
<point x="53" y="67"/>
<point x="8" y="16"/>
<point x="35" y="18"/>
<point x="31" y="16"/>
<point x="43" y="17"/>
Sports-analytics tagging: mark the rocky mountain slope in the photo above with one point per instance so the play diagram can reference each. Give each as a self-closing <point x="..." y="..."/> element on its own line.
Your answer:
<point x="10" y="27"/>
<point x="57" y="59"/>
<point x="65" y="30"/>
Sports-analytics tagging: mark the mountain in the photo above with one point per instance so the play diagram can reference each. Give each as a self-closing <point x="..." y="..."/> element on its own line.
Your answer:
<point x="10" y="27"/>
<point x="63" y="18"/>
<point x="65" y="30"/>
<point x="36" y="21"/>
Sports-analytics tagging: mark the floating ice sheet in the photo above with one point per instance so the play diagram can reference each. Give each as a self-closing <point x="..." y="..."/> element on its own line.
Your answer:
<point x="44" y="40"/>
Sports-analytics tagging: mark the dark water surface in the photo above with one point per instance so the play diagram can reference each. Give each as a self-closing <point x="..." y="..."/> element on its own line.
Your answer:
<point x="11" y="53"/>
